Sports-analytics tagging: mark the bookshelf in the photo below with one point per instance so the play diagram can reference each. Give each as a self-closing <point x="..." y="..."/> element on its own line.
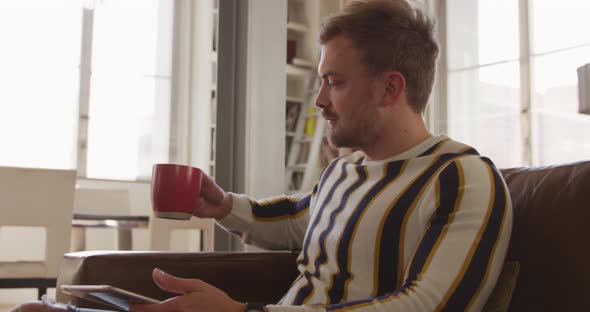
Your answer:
<point x="304" y="126"/>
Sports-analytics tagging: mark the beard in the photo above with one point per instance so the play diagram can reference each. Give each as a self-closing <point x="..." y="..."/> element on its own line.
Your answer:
<point x="354" y="128"/>
<point x="354" y="135"/>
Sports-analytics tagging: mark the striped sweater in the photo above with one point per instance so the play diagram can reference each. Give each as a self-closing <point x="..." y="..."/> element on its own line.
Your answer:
<point x="426" y="230"/>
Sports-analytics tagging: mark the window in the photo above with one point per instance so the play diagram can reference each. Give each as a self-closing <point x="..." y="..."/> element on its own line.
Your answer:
<point x="38" y="95"/>
<point x="501" y="53"/>
<point x="559" y="46"/>
<point x="86" y="88"/>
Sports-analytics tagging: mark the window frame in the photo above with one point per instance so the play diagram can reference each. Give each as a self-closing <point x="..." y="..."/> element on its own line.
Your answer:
<point x="438" y="112"/>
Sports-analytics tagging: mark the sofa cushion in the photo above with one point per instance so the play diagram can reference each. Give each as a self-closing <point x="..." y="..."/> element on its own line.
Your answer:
<point x="549" y="236"/>
<point x="253" y="277"/>
<point x="499" y="300"/>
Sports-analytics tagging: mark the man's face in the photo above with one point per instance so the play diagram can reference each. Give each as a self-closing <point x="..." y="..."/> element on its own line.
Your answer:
<point x="349" y="96"/>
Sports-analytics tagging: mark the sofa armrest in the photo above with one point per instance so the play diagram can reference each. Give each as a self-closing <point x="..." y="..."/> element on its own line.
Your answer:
<point x="245" y="276"/>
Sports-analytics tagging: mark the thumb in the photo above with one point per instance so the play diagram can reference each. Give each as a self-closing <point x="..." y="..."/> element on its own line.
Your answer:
<point x="176" y="284"/>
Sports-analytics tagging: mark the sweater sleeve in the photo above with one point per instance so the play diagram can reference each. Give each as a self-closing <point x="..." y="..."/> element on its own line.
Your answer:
<point x="459" y="257"/>
<point x="277" y="223"/>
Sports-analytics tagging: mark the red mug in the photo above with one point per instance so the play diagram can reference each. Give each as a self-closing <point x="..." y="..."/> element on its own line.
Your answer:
<point x="176" y="190"/>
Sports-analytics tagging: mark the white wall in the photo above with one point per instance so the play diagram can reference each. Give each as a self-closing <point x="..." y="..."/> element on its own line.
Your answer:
<point x="263" y="98"/>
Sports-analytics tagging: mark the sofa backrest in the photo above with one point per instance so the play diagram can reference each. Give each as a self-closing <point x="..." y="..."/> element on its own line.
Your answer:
<point x="550" y="237"/>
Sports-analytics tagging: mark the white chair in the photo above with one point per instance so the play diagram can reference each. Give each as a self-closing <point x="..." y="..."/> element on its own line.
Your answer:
<point x="37" y="198"/>
<point x="161" y="232"/>
<point x="93" y="207"/>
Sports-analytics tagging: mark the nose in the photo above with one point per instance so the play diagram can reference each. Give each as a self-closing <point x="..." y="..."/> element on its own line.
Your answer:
<point x="322" y="100"/>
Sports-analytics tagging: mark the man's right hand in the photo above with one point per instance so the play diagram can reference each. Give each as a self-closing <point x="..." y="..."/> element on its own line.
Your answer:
<point x="215" y="202"/>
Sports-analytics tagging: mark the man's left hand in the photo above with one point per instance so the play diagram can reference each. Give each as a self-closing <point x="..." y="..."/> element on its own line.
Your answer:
<point x="195" y="295"/>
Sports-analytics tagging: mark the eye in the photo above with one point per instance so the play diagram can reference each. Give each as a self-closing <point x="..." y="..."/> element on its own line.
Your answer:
<point x="333" y="82"/>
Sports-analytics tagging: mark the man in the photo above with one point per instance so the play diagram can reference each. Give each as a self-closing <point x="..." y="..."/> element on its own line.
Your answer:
<point x="410" y="222"/>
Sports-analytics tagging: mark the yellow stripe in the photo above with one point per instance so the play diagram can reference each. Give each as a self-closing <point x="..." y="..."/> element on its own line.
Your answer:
<point x="273" y="201"/>
<point x="440" y="144"/>
<point x="465" y="149"/>
<point x="317" y="307"/>
<point x="400" y="264"/>
<point x="336" y="216"/>
<point x="269" y="202"/>
<point x="283" y="217"/>
<point x="476" y="242"/>
<point x="488" y="269"/>
<point x="370" y="303"/>
<point x="354" y="231"/>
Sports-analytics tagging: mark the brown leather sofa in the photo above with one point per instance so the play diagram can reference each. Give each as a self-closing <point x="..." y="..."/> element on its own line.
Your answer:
<point x="549" y="240"/>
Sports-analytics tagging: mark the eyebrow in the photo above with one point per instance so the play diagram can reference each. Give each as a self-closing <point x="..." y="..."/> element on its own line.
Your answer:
<point x="330" y="73"/>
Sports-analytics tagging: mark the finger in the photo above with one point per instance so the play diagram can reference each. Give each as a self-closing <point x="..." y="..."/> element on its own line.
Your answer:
<point x="197" y="212"/>
<point x="168" y="305"/>
<point x="210" y="191"/>
<point x="145" y="307"/>
<point x="176" y="284"/>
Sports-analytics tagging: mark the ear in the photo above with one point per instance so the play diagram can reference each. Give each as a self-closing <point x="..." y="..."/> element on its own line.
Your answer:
<point x="395" y="86"/>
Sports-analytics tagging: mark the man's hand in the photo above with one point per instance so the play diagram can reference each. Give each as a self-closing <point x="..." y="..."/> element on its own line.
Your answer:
<point x="195" y="295"/>
<point x="215" y="202"/>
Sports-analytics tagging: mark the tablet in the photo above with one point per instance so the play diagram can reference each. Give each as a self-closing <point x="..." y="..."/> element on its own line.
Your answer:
<point x="106" y="294"/>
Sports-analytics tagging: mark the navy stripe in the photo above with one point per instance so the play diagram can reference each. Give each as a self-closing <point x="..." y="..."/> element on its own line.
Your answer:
<point x="315" y="190"/>
<point x="311" y="228"/>
<point x="318" y="216"/>
<point x="336" y="293"/>
<point x="297" y="299"/>
<point x="299" y="277"/>
<point x="477" y="268"/>
<point x="323" y="256"/>
<point x="341" y="305"/>
<point x="449" y="193"/>
<point x="391" y="235"/>
<point x="328" y="172"/>
<point x="281" y="208"/>
<point x="471" y="151"/>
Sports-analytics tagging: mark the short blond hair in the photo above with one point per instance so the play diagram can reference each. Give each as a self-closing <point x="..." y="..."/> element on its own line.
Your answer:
<point x="394" y="35"/>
